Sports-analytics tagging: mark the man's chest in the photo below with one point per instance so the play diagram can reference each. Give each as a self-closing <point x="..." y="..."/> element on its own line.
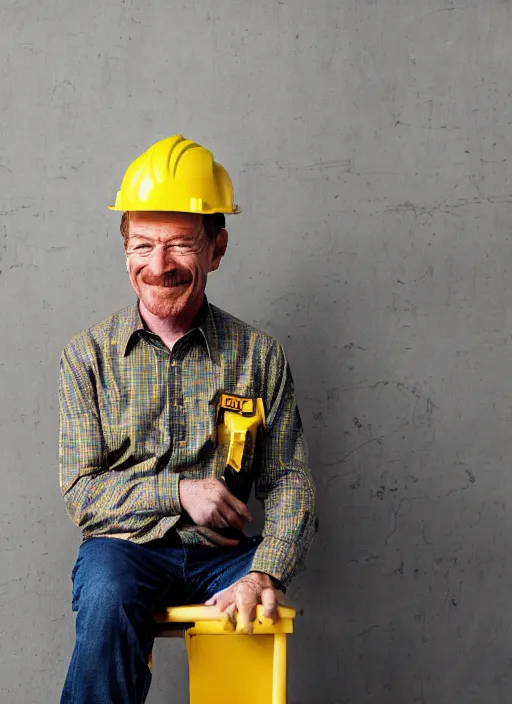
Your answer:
<point x="153" y="404"/>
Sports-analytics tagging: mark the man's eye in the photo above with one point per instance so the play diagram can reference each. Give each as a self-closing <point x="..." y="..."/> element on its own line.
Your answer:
<point x="140" y="247"/>
<point x="182" y="246"/>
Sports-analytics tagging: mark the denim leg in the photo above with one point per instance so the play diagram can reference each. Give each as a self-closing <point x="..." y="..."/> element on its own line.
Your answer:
<point x="116" y="584"/>
<point x="210" y="570"/>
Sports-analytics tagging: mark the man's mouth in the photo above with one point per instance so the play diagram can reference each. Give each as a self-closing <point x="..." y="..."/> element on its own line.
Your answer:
<point x="168" y="282"/>
<point x="176" y="284"/>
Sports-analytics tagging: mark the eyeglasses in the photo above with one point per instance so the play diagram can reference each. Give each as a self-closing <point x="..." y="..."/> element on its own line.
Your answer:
<point x="179" y="247"/>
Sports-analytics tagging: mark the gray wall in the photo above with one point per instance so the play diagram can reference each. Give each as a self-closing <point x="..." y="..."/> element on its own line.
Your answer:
<point x="369" y="141"/>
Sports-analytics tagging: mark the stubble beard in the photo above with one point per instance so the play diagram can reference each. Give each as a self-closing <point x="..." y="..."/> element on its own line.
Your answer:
<point x="166" y="303"/>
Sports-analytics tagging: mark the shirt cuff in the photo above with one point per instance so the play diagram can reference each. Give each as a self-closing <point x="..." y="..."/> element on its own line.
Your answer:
<point x="167" y="493"/>
<point x="277" y="558"/>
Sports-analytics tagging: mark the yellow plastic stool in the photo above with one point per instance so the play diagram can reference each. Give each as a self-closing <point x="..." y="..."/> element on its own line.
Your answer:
<point x="226" y="667"/>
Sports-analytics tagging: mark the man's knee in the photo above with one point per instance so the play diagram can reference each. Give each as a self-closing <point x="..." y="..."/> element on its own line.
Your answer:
<point x="104" y="596"/>
<point x="104" y="586"/>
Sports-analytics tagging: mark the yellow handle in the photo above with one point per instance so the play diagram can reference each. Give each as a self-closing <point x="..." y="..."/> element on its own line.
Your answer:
<point x="236" y="444"/>
<point x="233" y="432"/>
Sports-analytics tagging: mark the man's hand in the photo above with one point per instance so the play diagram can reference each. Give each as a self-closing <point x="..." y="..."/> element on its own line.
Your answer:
<point x="210" y="504"/>
<point x="243" y="597"/>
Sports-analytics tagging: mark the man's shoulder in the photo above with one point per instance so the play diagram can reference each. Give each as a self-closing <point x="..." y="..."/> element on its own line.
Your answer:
<point x="107" y="330"/>
<point x="229" y="327"/>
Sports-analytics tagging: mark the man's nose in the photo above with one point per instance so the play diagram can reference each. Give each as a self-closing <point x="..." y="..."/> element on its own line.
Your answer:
<point x="161" y="261"/>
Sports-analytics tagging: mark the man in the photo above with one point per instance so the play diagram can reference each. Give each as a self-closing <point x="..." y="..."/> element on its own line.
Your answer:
<point x="170" y="410"/>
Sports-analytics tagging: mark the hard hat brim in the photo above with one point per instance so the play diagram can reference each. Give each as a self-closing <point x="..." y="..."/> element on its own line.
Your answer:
<point x="235" y="211"/>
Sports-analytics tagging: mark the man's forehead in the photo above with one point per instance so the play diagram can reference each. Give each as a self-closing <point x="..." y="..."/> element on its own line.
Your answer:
<point x="164" y="223"/>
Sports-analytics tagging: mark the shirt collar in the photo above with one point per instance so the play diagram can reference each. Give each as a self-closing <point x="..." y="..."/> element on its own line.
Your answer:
<point x="131" y="323"/>
<point x="205" y="324"/>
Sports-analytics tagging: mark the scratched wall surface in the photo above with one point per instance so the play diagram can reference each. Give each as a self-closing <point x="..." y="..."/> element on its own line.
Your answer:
<point x="370" y="145"/>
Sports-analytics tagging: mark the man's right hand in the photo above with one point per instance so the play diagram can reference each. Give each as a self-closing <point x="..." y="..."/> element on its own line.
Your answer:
<point x="210" y="504"/>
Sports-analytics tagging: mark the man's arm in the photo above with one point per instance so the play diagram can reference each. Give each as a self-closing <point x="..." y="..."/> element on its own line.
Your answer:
<point x="97" y="498"/>
<point x="285" y="485"/>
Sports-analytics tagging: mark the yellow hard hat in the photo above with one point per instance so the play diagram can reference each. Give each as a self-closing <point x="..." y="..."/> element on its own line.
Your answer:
<point x="178" y="175"/>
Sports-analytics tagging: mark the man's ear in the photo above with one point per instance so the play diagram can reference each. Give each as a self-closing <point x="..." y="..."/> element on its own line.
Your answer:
<point x="219" y="250"/>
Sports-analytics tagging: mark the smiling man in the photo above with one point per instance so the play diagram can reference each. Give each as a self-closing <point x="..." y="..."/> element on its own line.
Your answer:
<point x="170" y="411"/>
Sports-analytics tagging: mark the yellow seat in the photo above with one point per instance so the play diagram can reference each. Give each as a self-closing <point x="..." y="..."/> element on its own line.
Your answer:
<point x="226" y="667"/>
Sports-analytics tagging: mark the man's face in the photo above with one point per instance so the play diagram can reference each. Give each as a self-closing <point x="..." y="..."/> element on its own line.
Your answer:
<point x="169" y="257"/>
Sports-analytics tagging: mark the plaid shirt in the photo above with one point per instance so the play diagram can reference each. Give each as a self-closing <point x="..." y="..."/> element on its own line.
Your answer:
<point x="136" y="418"/>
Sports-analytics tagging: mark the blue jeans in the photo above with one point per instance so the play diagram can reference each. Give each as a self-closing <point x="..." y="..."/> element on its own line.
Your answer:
<point x="117" y="586"/>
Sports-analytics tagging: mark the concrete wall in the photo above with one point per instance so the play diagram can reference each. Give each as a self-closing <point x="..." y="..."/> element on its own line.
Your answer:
<point x="369" y="141"/>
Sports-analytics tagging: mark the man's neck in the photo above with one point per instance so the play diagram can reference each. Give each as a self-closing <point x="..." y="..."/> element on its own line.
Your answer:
<point x="172" y="328"/>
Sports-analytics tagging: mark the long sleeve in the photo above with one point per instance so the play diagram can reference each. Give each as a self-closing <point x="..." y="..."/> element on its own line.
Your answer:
<point x="98" y="499"/>
<point x="284" y="485"/>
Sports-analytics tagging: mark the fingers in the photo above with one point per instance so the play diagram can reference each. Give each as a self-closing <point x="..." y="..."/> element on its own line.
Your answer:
<point x="226" y="605"/>
<point x="203" y="498"/>
<point x="218" y="520"/>
<point x="246" y="600"/>
<point x="233" y="510"/>
<point x="238" y="605"/>
<point x="269" y="601"/>
<point x="223" y="598"/>
<point x="216" y="538"/>
<point x="238" y="506"/>
<point x="230" y="611"/>
<point x="230" y="517"/>
<point x="230" y="617"/>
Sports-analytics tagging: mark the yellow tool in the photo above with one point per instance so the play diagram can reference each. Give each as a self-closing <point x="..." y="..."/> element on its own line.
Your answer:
<point x="226" y="667"/>
<point x="236" y="418"/>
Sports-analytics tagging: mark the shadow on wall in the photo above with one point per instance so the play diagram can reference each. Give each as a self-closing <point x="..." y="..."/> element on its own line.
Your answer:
<point x="305" y="328"/>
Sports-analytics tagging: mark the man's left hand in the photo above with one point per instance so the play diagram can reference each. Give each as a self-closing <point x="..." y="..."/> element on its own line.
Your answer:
<point x="242" y="597"/>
